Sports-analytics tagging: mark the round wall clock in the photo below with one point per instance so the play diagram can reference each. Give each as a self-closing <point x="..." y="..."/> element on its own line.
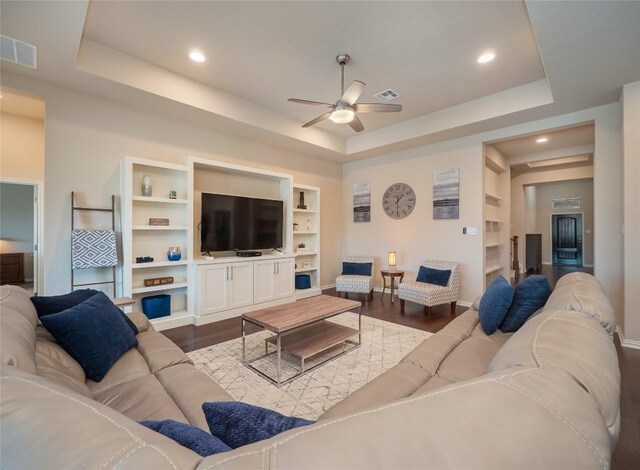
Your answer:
<point x="398" y="200"/>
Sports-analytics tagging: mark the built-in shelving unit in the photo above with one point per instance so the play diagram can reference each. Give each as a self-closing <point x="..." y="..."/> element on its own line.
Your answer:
<point x="496" y="235"/>
<point x="139" y="239"/>
<point x="307" y="232"/>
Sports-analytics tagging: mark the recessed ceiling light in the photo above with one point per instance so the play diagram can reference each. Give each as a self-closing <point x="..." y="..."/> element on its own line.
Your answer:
<point x="486" y="57"/>
<point x="541" y="140"/>
<point x="197" y="56"/>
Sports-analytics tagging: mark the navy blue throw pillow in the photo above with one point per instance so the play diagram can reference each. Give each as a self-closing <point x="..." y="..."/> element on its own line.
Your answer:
<point x="356" y="269"/>
<point x="93" y="333"/>
<point x="439" y="277"/>
<point x="529" y="295"/>
<point x="191" y="437"/>
<point x="239" y="424"/>
<point x="494" y="304"/>
<point x="48" y="304"/>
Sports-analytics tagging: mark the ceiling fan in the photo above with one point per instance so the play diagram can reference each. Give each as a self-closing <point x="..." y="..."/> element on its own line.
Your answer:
<point x="344" y="110"/>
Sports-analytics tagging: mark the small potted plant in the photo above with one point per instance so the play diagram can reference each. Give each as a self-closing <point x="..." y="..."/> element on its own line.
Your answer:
<point x="173" y="194"/>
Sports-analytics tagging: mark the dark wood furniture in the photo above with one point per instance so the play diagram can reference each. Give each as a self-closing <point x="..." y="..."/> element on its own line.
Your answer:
<point x="11" y="268"/>
<point x="391" y="273"/>
<point x="533" y="250"/>
<point x="301" y="328"/>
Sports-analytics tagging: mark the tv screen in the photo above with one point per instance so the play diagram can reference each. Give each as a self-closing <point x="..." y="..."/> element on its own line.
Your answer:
<point x="240" y="223"/>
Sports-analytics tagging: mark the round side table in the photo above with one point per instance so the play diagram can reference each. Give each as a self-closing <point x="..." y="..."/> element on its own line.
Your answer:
<point x="392" y="274"/>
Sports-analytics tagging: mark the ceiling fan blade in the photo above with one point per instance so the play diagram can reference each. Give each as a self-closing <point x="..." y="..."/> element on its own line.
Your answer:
<point x="315" y="103"/>
<point x="318" y="119"/>
<point x="356" y="124"/>
<point x="353" y="92"/>
<point x="377" y="108"/>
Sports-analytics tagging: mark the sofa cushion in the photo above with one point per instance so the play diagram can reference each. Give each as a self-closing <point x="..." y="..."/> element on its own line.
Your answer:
<point x="199" y="441"/>
<point x="55" y="363"/>
<point x="142" y="399"/>
<point x="586" y="297"/>
<point x="48" y="304"/>
<point x="47" y="426"/>
<point x="159" y="351"/>
<point x="93" y="333"/>
<point x="190" y="399"/>
<point x="529" y="295"/>
<point x="356" y="269"/>
<point x="438" y="277"/>
<point x="16" y="298"/>
<point x="494" y="304"/>
<point x="575" y="345"/>
<point x="17" y="340"/>
<point x="130" y="366"/>
<point x="238" y="424"/>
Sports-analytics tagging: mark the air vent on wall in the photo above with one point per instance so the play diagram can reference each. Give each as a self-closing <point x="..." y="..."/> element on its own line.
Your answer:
<point x="18" y="52"/>
<point x="386" y="95"/>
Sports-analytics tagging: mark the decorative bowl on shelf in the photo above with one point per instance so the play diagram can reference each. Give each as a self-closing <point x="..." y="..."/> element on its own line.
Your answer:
<point x="174" y="253"/>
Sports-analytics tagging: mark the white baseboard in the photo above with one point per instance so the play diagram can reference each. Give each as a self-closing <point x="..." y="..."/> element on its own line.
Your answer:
<point x="627" y="343"/>
<point x="28" y="279"/>
<point x="328" y="286"/>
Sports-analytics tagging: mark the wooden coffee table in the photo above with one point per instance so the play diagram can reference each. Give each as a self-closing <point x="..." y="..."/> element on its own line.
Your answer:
<point x="302" y="329"/>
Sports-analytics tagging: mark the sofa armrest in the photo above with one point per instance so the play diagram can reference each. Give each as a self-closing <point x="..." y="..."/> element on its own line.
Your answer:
<point x="476" y="303"/>
<point x="140" y="320"/>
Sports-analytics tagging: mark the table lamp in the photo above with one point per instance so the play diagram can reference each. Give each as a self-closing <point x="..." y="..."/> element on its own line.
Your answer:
<point x="392" y="260"/>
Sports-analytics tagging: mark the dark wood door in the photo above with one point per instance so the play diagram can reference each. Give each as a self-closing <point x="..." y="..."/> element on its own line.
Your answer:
<point x="566" y="233"/>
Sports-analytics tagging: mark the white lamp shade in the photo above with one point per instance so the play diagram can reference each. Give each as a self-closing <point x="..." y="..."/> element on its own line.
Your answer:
<point x="392" y="258"/>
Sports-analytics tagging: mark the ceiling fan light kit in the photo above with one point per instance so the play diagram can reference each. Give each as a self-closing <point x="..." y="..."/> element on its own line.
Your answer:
<point x="344" y="110"/>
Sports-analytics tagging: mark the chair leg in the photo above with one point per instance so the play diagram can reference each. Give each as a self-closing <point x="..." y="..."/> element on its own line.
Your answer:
<point x="365" y="299"/>
<point x="428" y="310"/>
<point x="371" y="295"/>
<point x="401" y="305"/>
<point x="453" y="308"/>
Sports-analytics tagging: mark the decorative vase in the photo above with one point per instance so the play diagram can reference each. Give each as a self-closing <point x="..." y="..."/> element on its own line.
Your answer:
<point x="295" y="227"/>
<point x="146" y="185"/>
<point x="174" y="253"/>
<point x="301" y="205"/>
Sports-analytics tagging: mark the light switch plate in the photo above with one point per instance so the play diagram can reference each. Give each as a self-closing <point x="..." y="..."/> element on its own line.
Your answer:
<point x="470" y="230"/>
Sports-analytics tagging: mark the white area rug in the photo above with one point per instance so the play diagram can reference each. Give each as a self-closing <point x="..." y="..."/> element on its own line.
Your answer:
<point x="383" y="345"/>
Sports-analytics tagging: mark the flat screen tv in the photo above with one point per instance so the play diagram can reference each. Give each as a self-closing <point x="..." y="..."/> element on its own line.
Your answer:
<point x="240" y="223"/>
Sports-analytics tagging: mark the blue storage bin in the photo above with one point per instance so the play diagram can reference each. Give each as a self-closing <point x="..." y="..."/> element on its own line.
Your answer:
<point x="156" y="306"/>
<point x="303" y="281"/>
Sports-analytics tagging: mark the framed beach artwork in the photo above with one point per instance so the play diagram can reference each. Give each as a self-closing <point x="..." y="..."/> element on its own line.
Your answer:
<point x="446" y="194"/>
<point x="361" y="202"/>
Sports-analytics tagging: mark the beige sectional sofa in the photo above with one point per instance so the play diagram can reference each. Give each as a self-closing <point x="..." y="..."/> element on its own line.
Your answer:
<point x="546" y="396"/>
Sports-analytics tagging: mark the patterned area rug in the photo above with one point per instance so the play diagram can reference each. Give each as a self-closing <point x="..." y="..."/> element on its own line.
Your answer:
<point x="383" y="345"/>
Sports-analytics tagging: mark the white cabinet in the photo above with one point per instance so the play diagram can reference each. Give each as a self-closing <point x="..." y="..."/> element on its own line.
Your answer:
<point x="214" y="288"/>
<point x="272" y="279"/>
<point x="225" y="286"/>
<point x="283" y="279"/>
<point x="241" y="284"/>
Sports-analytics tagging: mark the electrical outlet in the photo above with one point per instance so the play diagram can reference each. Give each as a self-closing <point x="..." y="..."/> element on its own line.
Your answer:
<point x="470" y="230"/>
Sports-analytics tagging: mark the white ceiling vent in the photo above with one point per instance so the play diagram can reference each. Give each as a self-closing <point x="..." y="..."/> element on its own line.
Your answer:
<point x="19" y="52"/>
<point x="386" y="95"/>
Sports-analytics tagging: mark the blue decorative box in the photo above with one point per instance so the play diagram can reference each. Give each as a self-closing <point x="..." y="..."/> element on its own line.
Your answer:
<point x="156" y="306"/>
<point x="303" y="281"/>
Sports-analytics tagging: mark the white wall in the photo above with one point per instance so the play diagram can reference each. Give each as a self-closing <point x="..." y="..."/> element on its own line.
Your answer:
<point x="16" y="222"/>
<point x="631" y="142"/>
<point x="21" y="147"/>
<point x="418" y="236"/>
<point x="86" y="137"/>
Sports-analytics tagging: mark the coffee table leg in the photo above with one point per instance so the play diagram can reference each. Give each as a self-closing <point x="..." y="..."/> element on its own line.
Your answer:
<point x="279" y="364"/>
<point x="360" y="325"/>
<point x="243" y="342"/>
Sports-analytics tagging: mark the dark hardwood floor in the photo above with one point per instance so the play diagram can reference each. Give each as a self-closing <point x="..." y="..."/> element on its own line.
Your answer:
<point x="627" y="452"/>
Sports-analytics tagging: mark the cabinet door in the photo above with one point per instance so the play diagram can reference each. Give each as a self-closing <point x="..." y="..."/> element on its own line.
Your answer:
<point x="284" y="278"/>
<point x="263" y="281"/>
<point x="241" y="293"/>
<point x="214" y="289"/>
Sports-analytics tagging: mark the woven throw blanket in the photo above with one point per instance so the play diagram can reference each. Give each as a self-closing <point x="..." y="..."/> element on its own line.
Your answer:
<point x="93" y="249"/>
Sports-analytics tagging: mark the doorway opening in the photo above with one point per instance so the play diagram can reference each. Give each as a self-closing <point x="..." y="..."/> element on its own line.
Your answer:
<point x="20" y="234"/>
